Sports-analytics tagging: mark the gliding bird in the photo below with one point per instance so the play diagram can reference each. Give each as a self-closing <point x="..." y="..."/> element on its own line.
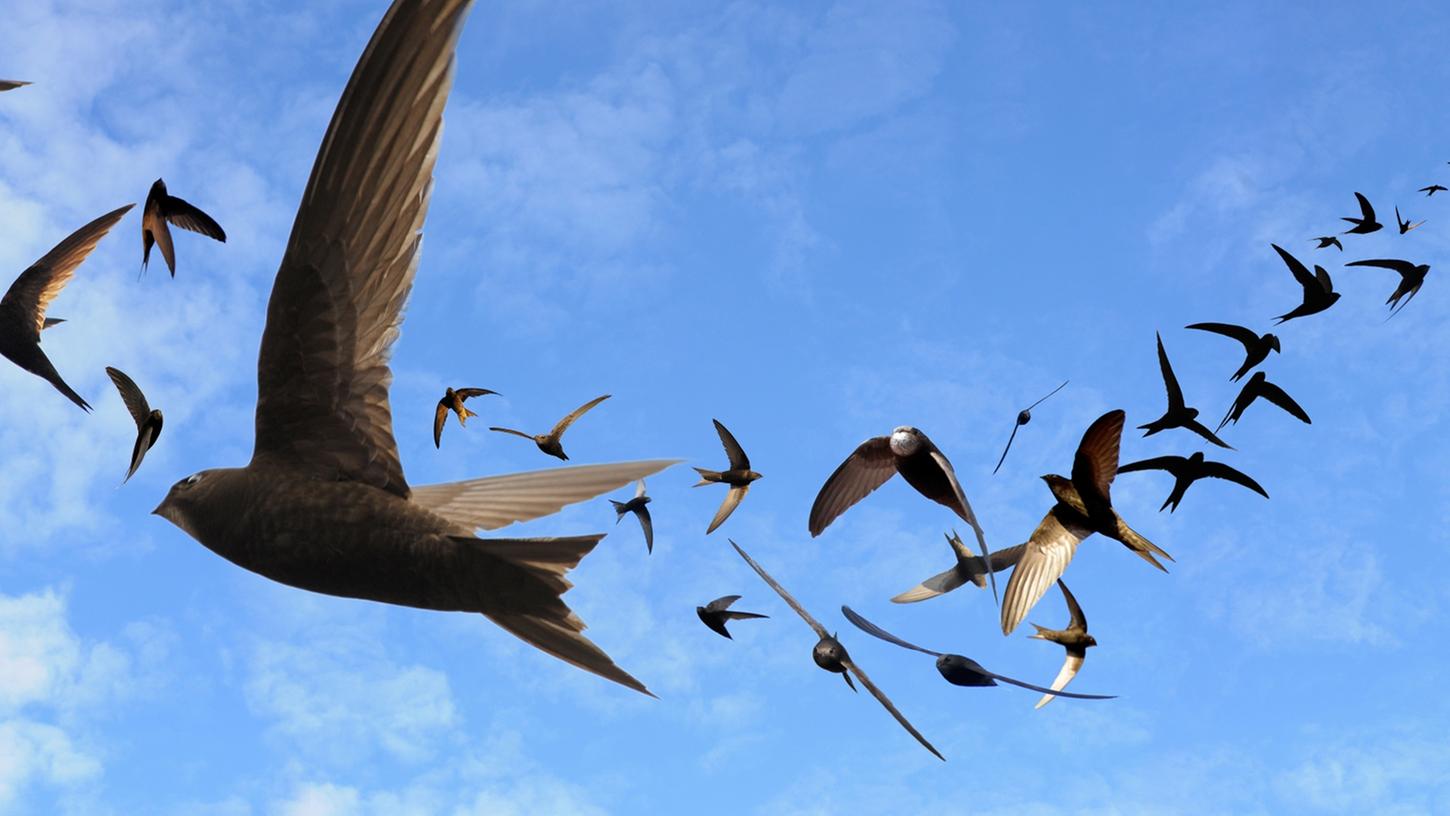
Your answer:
<point x="1023" y="417"/>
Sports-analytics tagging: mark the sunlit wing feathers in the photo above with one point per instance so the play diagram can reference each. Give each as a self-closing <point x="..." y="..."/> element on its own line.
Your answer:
<point x="1048" y="552"/>
<point x="867" y="468"/>
<point x="440" y="417"/>
<point x="785" y="596"/>
<point x="1095" y="464"/>
<point x="722" y="603"/>
<point x="639" y="489"/>
<point x="496" y="501"/>
<point x="336" y="306"/>
<point x="733" y="497"/>
<point x="886" y="702"/>
<point x="189" y="217"/>
<point x="736" y="454"/>
<point x="1071" y="664"/>
<point x="563" y="424"/>
<point x="1076" y="619"/>
<point x="647" y="525"/>
<point x="968" y="515"/>
<point x="31" y="293"/>
<point x="876" y="631"/>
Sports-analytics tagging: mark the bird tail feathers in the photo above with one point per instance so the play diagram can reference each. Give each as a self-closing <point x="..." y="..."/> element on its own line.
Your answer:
<point x="706" y="477"/>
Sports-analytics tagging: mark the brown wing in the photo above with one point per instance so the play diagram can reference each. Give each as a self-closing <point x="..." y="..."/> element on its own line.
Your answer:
<point x="1076" y="619"/>
<point x="1049" y="551"/>
<point x="1096" y="461"/>
<point x="468" y="393"/>
<point x="336" y="307"/>
<point x="732" y="500"/>
<point x="867" y="468"/>
<point x="563" y="424"/>
<point x="440" y="418"/>
<point x="780" y="590"/>
<point x="189" y="217"/>
<point x="31" y="293"/>
<point x="131" y="395"/>
<point x="736" y="454"/>
<point x="153" y="223"/>
<point x="886" y="702"/>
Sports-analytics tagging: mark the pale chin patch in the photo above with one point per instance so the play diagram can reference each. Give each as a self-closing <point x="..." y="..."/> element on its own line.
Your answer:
<point x="904" y="443"/>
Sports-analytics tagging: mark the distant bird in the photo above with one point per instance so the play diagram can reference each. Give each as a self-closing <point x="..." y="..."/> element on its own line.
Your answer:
<point x="1319" y="291"/>
<point x="1178" y="415"/>
<point x="162" y="210"/>
<point x="1412" y="277"/>
<point x="22" y="309"/>
<point x="453" y="401"/>
<point x="1259" y="386"/>
<point x="11" y="84"/>
<point x="1075" y="639"/>
<point x="958" y="670"/>
<point x="909" y="452"/>
<point x="1326" y="241"/>
<point x="324" y="505"/>
<point x="1365" y="224"/>
<point x="552" y="442"/>
<point x="830" y="655"/>
<point x="969" y="567"/>
<point x="1023" y="417"/>
<point x="1256" y="346"/>
<point x="148" y="420"/>
<point x="716" y="613"/>
<point x="636" y="506"/>
<point x="738" y="476"/>
<point x="1405" y="226"/>
<point x="1187" y="471"/>
<point x="1432" y="189"/>
<point x="1084" y="506"/>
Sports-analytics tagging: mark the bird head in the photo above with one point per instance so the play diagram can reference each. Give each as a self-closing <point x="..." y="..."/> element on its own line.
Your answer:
<point x="1089" y="641"/>
<point x="187" y="500"/>
<point x="905" y="440"/>
<point x="155" y="415"/>
<point x="830" y="655"/>
<point x="1273" y="341"/>
<point x="1192" y="413"/>
<point x="1059" y="485"/>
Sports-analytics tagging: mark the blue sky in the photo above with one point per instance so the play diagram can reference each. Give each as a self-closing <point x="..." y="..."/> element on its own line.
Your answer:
<point x="814" y="222"/>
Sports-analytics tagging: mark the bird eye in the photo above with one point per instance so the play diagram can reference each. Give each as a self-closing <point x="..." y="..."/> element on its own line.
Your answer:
<point x="189" y="480"/>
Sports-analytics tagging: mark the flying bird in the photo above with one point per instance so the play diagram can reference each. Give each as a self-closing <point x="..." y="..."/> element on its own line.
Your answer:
<point x="552" y="442"/>
<point x="324" y="505"/>
<point x="969" y="567"/>
<point x="1178" y="415"/>
<point x="636" y="506"/>
<point x="1188" y="470"/>
<point x="958" y="670"/>
<point x="1074" y="639"/>
<point x="830" y="655"/>
<point x="1412" y="277"/>
<point x="1319" y="291"/>
<point x="1405" y="226"/>
<point x="11" y="84"/>
<point x="1259" y="386"/>
<point x="1084" y="506"/>
<point x="909" y="452"/>
<point x="1432" y="189"/>
<point x="1256" y="346"/>
<point x="1326" y="241"/>
<point x="717" y="612"/>
<point x="453" y="401"/>
<point x="738" y="476"/>
<point x="1365" y="224"/>
<point x="162" y="210"/>
<point x="22" y="309"/>
<point x="1023" y="417"/>
<point x="148" y="419"/>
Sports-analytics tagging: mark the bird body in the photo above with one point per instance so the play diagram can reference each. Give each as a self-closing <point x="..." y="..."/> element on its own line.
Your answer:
<point x="1023" y="417"/>
<point x="1259" y="386"/>
<point x="636" y="506"/>
<point x="1326" y="241"/>
<point x="1187" y="470"/>
<point x="1431" y="190"/>
<point x="738" y="476"/>
<point x="1075" y="640"/>
<point x="1365" y="223"/>
<point x="1256" y="346"/>
<point x="453" y="401"/>
<point x="969" y="568"/>
<point x="148" y="420"/>
<point x="160" y="212"/>
<point x="717" y="613"/>
<point x="1412" y="277"/>
<point x="1318" y="288"/>
<point x="1404" y="224"/>
<point x="552" y="442"/>
<point x="1178" y="415"/>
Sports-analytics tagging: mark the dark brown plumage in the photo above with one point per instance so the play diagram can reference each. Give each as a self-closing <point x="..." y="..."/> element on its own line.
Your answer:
<point x="453" y="401"/>
<point x="11" y="84"/>
<point x="1075" y="640"/>
<point x="1178" y="415"/>
<point x="162" y="210"/>
<point x="1187" y="470"/>
<point x="1259" y="386"/>
<point x="22" y="309"/>
<point x="552" y="442"/>
<point x="1412" y="277"/>
<point x="148" y="419"/>
<point x="717" y="613"/>
<point x="1318" y="288"/>
<point x="637" y="506"/>
<point x="1256" y="346"/>
<point x="738" y="476"/>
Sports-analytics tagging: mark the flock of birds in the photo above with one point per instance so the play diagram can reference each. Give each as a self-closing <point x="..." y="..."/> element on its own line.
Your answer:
<point x="324" y="504"/>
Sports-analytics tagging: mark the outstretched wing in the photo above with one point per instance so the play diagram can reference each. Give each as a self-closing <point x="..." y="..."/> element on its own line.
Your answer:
<point x="440" y="416"/>
<point x="1279" y="397"/>
<point x="732" y="500"/>
<point x="1248" y="337"/>
<point x="1076" y="619"/>
<point x="1095" y="464"/>
<point x="1404" y="268"/>
<point x="876" y="631"/>
<point x="780" y="590"/>
<point x="1170" y="381"/>
<point x="867" y="468"/>
<point x="563" y="424"/>
<point x="1049" y="551"/>
<point x="1219" y="470"/>
<point x="1297" y="268"/>
<point x="336" y="306"/>
<point x="131" y="395"/>
<point x="31" y="293"/>
<point x="733" y="451"/>
<point x="1172" y="464"/>
<point x="189" y="217"/>
<point x="886" y="703"/>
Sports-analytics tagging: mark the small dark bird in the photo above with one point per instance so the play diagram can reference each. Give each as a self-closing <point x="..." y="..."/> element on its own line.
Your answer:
<point x="739" y="476"/>
<point x="552" y="442"/>
<point x="1256" y="346"/>
<point x="1432" y="189"/>
<point x="969" y="567"/>
<point x="1075" y="639"/>
<point x="715" y="614"/>
<point x="22" y="309"/>
<point x="11" y="84"/>
<point x="1319" y="291"/>
<point x="958" y="669"/>
<point x="1187" y="471"/>
<point x="1365" y="224"/>
<point x="1178" y="415"/>
<point x="909" y="452"/>
<point x="1326" y="241"/>
<point x="1412" y="277"/>
<point x="324" y="505"/>
<point x="1083" y="507"/>
<point x="162" y="210"/>
<point x="1023" y="417"/>
<point x="1405" y="226"/>
<point x="636" y="506"/>
<point x="1259" y="386"/>
<point x="453" y="401"/>
<point x="148" y="420"/>
<point x="830" y="655"/>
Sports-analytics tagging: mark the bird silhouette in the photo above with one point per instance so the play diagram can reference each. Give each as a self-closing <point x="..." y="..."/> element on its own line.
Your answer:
<point x="552" y="442"/>
<point x="1405" y="225"/>
<point x="1259" y="386"/>
<point x="738" y="476"/>
<point x="636" y="506"/>
<point x="969" y="568"/>
<point x="453" y="401"/>
<point x="1256" y="346"/>
<point x="1178" y="415"/>
<point x="1188" y="470"/>
<point x="717" y="613"/>
<point x="1326" y="241"/>
<point x="1412" y="277"/>
<point x="1365" y="223"/>
<point x="1318" y="288"/>
<point x="1431" y="190"/>
<point x="162" y="210"/>
<point x="1023" y="417"/>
